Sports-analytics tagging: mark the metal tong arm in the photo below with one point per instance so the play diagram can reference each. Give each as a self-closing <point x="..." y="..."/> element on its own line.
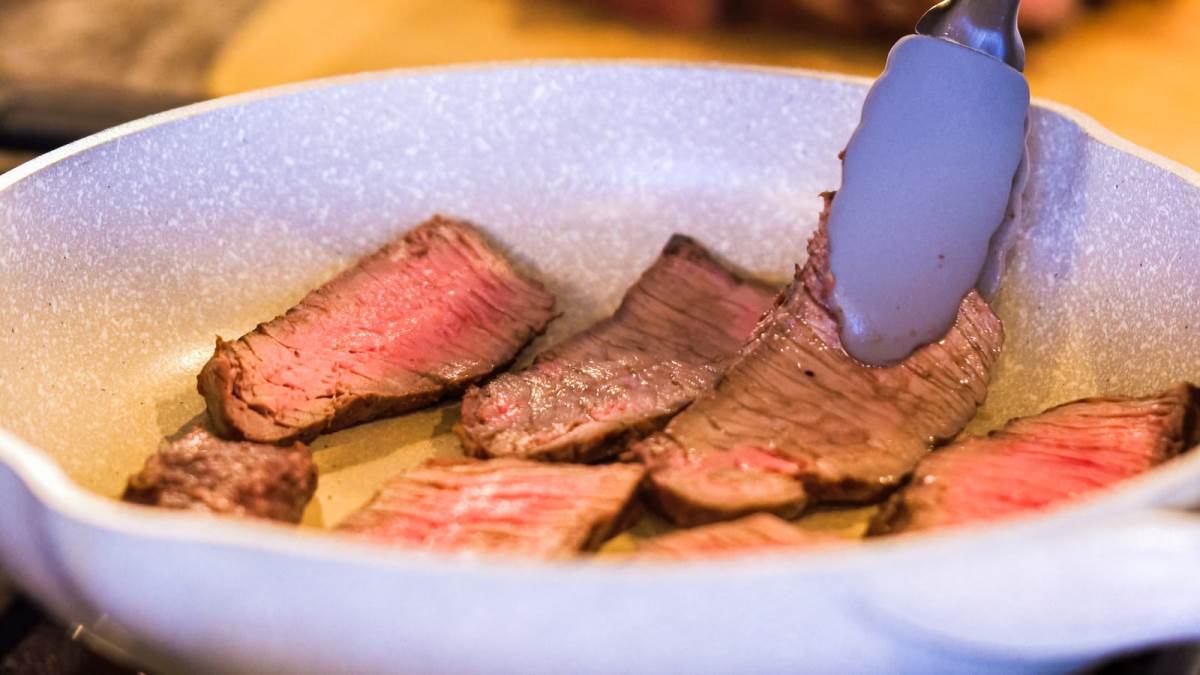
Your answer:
<point x="988" y="26"/>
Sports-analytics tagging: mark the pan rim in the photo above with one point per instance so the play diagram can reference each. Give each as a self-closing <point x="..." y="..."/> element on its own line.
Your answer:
<point x="1086" y="123"/>
<point x="57" y="492"/>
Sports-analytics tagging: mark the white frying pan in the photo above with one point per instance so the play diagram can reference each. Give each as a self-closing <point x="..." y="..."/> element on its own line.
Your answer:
<point x="122" y="256"/>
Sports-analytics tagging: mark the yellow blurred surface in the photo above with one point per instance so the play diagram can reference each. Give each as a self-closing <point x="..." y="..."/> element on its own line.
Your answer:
<point x="1134" y="66"/>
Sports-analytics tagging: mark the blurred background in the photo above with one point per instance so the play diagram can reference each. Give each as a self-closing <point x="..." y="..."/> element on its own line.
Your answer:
<point x="68" y="67"/>
<point x="72" y="67"/>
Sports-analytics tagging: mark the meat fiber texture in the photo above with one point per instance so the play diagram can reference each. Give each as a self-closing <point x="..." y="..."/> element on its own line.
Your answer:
<point x="1035" y="463"/>
<point x="501" y="507"/>
<point x="756" y="534"/>
<point x="428" y="314"/>
<point x="797" y="420"/>
<point x="201" y="472"/>
<point x="676" y="329"/>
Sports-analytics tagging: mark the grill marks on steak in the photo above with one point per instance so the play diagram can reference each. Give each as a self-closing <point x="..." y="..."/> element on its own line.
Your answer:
<point x="759" y="533"/>
<point x="1038" y="462"/>
<point x="205" y="473"/>
<point x="502" y="506"/>
<point x="427" y="315"/>
<point x="796" y="419"/>
<point x="675" y="331"/>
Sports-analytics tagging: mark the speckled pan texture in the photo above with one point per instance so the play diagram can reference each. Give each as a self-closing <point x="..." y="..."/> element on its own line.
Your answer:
<point x="121" y="260"/>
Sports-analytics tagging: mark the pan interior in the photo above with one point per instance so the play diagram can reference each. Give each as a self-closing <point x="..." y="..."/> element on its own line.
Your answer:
<point x="122" y="262"/>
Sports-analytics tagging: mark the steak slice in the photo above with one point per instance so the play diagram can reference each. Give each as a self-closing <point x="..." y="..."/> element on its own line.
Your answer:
<point x="759" y="533"/>
<point x="675" y="331"/>
<point x="796" y="419"/>
<point x="502" y="506"/>
<point x="422" y="318"/>
<point x="1038" y="462"/>
<point x="204" y="473"/>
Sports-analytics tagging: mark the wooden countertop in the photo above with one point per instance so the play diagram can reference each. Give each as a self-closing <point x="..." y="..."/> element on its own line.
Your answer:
<point x="1134" y="66"/>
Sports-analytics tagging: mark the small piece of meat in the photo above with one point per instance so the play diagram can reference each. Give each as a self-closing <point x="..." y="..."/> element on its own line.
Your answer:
<point x="795" y="419"/>
<point x="427" y="315"/>
<point x="201" y="472"/>
<point x="1038" y="462"/>
<point x="506" y="507"/>
<point x="759" y="533"/>
<point x="677" y="328"/>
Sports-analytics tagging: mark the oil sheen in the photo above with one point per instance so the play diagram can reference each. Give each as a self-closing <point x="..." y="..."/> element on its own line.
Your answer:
<point x="927" y="180"/>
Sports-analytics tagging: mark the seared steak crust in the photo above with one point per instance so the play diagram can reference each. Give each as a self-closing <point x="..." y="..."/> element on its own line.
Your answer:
<point x="204" y="473"/>
<point x="427" y="315"/>
<point x="1038" y="462"/>
<point x="675" y="331"/>
<point x="796" y="419"/>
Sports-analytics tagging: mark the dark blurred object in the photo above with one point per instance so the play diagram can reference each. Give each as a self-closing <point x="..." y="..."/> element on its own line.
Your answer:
<point x="30" y="644"/>
<point x="161" y="46"/>
<point x="11" y="158"/>
<point x="1179" y="660"/>
<point x="683" y="14"/>
<point x="42" y="116"/>
<point x="70" y="68"/>
<point x="845" y="16"/>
